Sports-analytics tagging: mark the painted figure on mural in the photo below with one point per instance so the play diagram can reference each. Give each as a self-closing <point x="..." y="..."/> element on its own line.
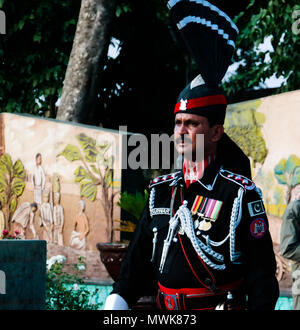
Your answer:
<point x="290" y="242"/>
<point x="80" y="228"/>
<point x="2" y="220"/>
<point x="46" y="218"/>
<point x="38" y="180"/>
<point x="24" y="215"/>
<point x="58" y="220"/>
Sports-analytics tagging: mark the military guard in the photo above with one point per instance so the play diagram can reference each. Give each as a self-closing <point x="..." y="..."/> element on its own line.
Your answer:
<point x="203" y="240"/>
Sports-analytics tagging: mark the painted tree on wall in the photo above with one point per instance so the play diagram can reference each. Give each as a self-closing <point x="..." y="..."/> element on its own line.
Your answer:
<point x="287" y="172"/>
<point x="12" y="184"/>
<point x="96" y="170"/>
<point x="243" y="124"/>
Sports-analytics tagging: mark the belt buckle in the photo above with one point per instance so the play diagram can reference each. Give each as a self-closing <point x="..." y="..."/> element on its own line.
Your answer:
<point x="171" y="302"/>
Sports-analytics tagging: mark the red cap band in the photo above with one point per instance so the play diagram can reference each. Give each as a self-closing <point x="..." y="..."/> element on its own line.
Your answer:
<point x="200" y="102"/>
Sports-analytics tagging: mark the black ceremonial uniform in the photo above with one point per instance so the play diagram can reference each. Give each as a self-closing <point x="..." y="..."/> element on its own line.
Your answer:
<point x="193" y="245"/>
<point x="237" y="253"/>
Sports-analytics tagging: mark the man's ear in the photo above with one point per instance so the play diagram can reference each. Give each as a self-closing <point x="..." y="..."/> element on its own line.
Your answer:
<point x="217" y="132"/>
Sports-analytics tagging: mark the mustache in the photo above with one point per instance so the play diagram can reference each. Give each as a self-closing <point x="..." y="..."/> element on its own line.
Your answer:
<point x="183" y="139"/>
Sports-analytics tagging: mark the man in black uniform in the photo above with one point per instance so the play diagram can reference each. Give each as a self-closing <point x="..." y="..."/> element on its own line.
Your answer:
<point x="203" y="240"/>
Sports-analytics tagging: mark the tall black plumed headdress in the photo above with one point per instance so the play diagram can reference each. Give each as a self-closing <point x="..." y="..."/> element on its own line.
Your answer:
<point x="209" y="35"/>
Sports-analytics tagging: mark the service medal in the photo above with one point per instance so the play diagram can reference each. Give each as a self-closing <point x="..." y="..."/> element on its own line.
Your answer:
<point x="207" y="209"/>
<point x="205" y="225"/>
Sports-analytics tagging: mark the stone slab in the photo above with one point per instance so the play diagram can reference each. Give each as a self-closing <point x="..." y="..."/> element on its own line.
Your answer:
<point x="22" y="274"/>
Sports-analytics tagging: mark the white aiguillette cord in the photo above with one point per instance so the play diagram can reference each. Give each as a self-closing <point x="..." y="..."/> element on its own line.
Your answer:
<point x="183" y="217"/>
<point x="173" y="228"/>
<point x="156" y="232"/>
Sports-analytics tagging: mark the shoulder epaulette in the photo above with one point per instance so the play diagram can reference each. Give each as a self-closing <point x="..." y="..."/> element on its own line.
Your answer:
<point x="238" y="179"/>
<point x="163" y="179"/>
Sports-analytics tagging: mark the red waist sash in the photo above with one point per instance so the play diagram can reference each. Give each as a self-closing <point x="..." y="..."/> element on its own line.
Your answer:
<point x="193" y="298"/>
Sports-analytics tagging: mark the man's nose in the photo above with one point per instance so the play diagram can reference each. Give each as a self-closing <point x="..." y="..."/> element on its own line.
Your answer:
<point x="181" y="129"/>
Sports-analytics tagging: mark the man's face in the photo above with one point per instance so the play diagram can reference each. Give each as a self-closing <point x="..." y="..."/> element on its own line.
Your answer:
<point x="187" y="127"/>
<point x="39" y="160"/>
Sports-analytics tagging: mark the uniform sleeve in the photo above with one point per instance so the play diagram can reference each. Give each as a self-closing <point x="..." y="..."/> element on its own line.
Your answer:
<point x="290" y="232"/>
<point x="137" y="275"/>
<point x="258" y="255"/>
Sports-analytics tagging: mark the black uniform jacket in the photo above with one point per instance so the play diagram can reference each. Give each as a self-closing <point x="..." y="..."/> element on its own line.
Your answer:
<point x="239" y="234"/>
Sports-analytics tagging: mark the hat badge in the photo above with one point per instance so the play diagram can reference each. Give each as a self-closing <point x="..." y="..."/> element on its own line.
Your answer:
<point x="183" y="105"/>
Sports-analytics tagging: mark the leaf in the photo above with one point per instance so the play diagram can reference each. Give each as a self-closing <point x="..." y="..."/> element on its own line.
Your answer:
<point x="89" y="147"/>
<point x="88" y="189"/>
<point x="103" y="146"/>
<point x="3" y="183"/>
<point x="90" y="155"/>
<point x="108" y="177"/>
<point x="80" y="173"/>
<point x="281" y="178"/>
<point x="19" y="170"/>
<point x="296" y="177"/>
<point x="17" y="186"/>
<point x="3" y="198"/>
<point x="126" y="226"/>
<point x="95" y="169"/>
<point x="280" y="168"/>
<point x="6" y="161"/>
<point x="37" y="37"/>
<point x="71" y="153"/>
<point x="133" y="204"/>
<point x="292" y="163"/>
<point x="13" y="205"/>
<point x="85" y="141"/>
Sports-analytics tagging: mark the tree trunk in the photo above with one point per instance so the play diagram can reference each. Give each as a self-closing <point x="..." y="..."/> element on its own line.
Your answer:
<point x="88" y="55"/>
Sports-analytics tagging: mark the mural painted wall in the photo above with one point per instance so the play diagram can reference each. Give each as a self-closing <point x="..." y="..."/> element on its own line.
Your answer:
<point x="267" y="130"/>
<point x="68" y="171"/>
<point x="60" y="182"/>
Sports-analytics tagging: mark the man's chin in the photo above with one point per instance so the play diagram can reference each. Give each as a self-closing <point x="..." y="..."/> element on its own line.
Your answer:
<point x="185" y="152"/>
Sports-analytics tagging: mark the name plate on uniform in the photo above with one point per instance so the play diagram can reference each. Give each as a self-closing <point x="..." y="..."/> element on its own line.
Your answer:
<point x="22" y="274"/>
<point x="160" y="211"/>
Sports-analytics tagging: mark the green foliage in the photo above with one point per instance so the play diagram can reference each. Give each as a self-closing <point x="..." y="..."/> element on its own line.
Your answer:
<point x="251" y="141"/>
<point x="134" y="204"/>
<point x="263" y="19"/>
<point x="243" y="125"/>
<point x="96" y="168"/>
<point x="64" y="290"/>
<point x="287" y="172"/>
<point x="12" y="184"/>
<point x="34" y="53"/>
<point x="71" y="153"/>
